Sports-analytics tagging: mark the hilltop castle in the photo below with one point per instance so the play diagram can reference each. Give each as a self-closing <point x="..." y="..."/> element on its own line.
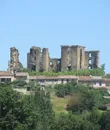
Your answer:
<point x="72" y="58"/>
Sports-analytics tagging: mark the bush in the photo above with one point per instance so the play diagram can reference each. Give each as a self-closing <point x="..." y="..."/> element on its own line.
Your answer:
<point x="85" y="72"/>
<point x="103" y="108"/>
<point x="65" y="89"/>
<point x="84" y="98"/>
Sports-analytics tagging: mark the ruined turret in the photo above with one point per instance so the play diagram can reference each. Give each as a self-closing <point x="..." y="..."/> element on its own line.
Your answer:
<point x="14" y="63"/>
<point x="34" y="58"/>
<point x="73" y="57"/>
<point x="38" y="59"/>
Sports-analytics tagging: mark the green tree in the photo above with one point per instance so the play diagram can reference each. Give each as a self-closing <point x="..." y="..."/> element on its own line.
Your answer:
<point x="105" y="121"/>
<point x="87" y="125"/>
<point x="95" y="116"/>
<point x="103" y="67"/>
<point x="84" y="98"/>
<point x="68" y="122"/>
<point x="38" y="109"/>
<point x="11" y="109"/>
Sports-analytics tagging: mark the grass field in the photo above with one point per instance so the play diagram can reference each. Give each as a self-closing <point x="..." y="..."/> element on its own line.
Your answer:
<point x="59" y="104"/>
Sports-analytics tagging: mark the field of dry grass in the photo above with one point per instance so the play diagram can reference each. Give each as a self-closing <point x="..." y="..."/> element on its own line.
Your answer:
<point x="59" y="104"/>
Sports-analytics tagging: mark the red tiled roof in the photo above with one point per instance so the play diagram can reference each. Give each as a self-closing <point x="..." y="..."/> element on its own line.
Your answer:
<point x="53" y="77"/>
<point x="107" y="79"/>
<point x="5" y="73"/>
<point x="85" y="78"/>
<point x="90" y="78"/>
<point x="22" y="74"/>
<point x="106" y="96"/>
<point x="107" y="104"/>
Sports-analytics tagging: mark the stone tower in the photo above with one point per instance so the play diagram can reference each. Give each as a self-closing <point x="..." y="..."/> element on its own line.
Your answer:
<point x="77" y="57"/>
<point x="86" y="63"/>
<point x="45" y="59"/>
<point x="65" y="58"/>
<point x="72" y="57"/>
<point x="33" y="58"/>
<point x="93" y="59"/>
<point x="38" y="60"/>
<point x="14" y="63"/>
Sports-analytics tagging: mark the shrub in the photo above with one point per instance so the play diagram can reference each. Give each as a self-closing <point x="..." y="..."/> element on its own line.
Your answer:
<point x="103" y="108"/>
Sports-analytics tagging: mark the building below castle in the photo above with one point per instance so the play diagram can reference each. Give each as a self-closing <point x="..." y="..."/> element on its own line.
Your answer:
<point x="94" y="81"/>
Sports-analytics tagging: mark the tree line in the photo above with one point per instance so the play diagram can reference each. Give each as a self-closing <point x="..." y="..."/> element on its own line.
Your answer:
<point x="85" y="72"/>
<point x="35" y="111"/>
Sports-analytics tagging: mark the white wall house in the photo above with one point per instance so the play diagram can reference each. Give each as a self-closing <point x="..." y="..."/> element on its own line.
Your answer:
<point x="95" y="81"/>
<point x="97" y="84"/>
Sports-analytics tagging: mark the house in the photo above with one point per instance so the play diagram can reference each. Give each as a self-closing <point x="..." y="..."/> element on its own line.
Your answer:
<point x="6" y="76"/>
<point x="95" y="81"/>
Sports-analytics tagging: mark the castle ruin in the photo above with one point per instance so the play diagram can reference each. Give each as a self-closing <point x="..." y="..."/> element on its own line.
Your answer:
<point x="72" y="58"/>
<point x="39" y="60"/>
<point x="14" y="63"/>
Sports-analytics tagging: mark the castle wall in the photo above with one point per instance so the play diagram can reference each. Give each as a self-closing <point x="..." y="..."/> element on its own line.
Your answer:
<point x="86" y="60"/>
<point x="54" y="65"/>
<point x="14" y="62"/>
<point x="93" y="57"/>
<point x="82" y="57"/>
<point x="72" y="58"/>
<point x="65" y="57"/>
<point x="34" y="58"/>
<point x="77" y="56"/>
<point x="45" y="59"/>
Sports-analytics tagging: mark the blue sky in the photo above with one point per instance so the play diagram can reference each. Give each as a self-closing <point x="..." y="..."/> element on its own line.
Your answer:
<point x="51" y="23"/>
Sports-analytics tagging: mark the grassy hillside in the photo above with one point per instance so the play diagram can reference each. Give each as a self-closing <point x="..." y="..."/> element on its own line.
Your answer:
<point x="59" y="104"/>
